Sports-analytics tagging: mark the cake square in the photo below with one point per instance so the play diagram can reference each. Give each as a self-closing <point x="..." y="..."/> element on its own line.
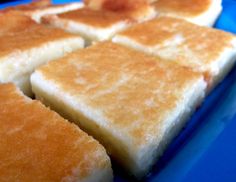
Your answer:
<point x="97" y="25"/>
<point x="133" y="103"/>
<point x="36" y="144"/>
<point x="206" y="50"/>
<point x="25" y="45"/>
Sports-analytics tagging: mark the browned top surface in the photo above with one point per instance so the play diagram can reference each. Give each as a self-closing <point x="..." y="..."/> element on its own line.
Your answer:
<point x="115" y="5"/>
<point x="132" y="8"/>
<point x="186" y="43"/>
<point x="38" y="145"/>
<point x="96" y="18"/>
<point x="133" y="91"/>
<point x="183" y="7"/>
<point x="19" y="33"/>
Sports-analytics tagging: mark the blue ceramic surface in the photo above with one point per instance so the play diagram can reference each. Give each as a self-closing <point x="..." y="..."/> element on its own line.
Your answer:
<point x="206" y="149"/>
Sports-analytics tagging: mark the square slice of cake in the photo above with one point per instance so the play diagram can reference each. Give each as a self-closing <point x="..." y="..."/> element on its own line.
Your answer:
<point x="206" y="50"/>
<point x="93" y="25"/>
<point x="36" y="144"/>
<point x="40" y="8"/>
<point x="133" y="103"/>
<point x="25" y="45"/>
<point x="201" y="12"/>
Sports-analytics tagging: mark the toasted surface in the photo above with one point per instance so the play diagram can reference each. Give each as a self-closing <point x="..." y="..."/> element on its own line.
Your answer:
<point x="114" y="5"/>
<point x="190" y="9"/>
<point x="84" y="74"/>
<point x="39" y="145"/>
<point x="183" y="7"/>
<point x="137" y="9"/>
<point x="124" y="93"/>
<point x="98" y="25"/>
<point x="177" y="40"/>
<point x="95" y="18"/>
<point x="18" y="33"/>
<point x="92" y="25"/>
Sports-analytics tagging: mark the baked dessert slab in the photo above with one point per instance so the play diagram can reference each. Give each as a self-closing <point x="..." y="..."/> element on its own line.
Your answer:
<point x="206" y="50"/>
<point x="26" y="45"/>
<point x="134" y="104"/>
<point x="94" y="25"/>
<point x="39" y="145"/>
<point x="40" y="8"/>
<point x="201" y="12"/>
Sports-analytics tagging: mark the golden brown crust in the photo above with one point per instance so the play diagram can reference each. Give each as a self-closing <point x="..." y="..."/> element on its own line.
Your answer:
<point x="128" y="87"/>
<point x="114" y="5"/>
<point x="205" y="44"/>
<point x="182" y="7"/>
<point x="19" y="32"/>
<point x="131" y="8"/>
<point x="96" y="18"/>
<point x="38" y="145"/>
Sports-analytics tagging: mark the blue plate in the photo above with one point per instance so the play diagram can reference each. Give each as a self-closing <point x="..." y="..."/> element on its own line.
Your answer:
<point x="206" y="149"/>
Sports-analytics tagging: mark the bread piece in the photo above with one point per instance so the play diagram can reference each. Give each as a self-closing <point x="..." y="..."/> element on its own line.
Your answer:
<point x="94" y="25"/>
<point x="206" y="50"/>
<point x="40" y="8"/>
<point x="36" y="144"/>
<point x="201" y="12"/>
<point x="134" y="104"/>
<point x="26" y="45"/>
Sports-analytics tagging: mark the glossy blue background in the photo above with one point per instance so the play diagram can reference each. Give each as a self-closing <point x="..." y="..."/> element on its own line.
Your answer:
<point x="206" y="149"/>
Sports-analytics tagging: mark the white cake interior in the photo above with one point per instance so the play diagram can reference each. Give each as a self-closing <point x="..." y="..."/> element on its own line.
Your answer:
<point x="18" y="66"/>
